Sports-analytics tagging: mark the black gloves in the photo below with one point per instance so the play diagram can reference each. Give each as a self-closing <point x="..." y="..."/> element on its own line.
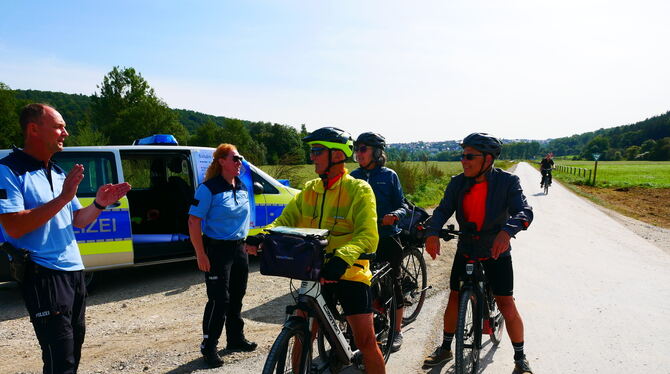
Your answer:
<point x="334" y="269"/>
<point x="255" y="240"/>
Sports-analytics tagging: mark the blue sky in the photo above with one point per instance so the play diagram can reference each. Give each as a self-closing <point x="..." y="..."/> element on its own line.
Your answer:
<point x="423" y="70"/>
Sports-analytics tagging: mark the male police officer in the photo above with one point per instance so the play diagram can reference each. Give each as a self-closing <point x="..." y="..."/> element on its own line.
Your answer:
<point x="38" y="208"/>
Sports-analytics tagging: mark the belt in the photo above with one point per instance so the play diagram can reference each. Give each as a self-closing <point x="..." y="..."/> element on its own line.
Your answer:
<point x="220" y="241"/>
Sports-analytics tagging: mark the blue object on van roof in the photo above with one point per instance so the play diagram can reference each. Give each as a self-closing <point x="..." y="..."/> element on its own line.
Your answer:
<point x="285" y="182"/>
<point x="158" y="139"/>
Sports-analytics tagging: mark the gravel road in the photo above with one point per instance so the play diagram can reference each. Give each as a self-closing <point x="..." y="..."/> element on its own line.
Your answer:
<point x="593" y="291"/>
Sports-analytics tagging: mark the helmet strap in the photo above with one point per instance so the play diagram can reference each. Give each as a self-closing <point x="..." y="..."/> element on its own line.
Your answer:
<point x="324" y="176"/>
<point x="483" y="169"/>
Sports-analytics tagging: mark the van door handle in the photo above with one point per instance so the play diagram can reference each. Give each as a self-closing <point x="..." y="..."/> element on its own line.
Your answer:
<point x="116" y="204"/>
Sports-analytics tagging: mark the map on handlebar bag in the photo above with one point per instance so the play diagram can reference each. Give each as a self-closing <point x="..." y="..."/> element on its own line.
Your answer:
<point x="299" y="231"/>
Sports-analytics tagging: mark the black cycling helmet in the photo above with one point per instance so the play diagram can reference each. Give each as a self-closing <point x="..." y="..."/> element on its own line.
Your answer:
<point x="372" y="139"/>
<point x="332" y="138"/>
<point x="483" y="142"/>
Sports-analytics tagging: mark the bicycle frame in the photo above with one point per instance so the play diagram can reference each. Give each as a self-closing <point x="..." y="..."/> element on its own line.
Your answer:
<point x="312" y="302"/>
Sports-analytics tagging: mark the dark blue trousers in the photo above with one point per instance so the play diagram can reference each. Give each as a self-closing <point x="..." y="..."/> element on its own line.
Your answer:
<point x="56" y="303"/>
<point x="226" y="285"/>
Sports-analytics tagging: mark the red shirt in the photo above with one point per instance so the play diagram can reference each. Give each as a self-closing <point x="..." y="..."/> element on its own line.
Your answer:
<point x="474" y="204"/>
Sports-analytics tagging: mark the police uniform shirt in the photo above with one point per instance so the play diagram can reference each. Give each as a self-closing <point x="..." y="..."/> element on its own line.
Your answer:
<point x="224" y="209"/>
<point x="26" y="184"/>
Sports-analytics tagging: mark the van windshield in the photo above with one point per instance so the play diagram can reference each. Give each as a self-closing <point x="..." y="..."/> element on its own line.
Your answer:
<point x="98" y="169"/>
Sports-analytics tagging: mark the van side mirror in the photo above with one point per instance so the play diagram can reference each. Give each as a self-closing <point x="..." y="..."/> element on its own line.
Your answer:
<point x="258" y="188"/>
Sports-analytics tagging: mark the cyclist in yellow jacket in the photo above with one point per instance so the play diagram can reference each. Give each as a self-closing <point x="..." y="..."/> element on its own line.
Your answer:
<point x="346" y="207"/>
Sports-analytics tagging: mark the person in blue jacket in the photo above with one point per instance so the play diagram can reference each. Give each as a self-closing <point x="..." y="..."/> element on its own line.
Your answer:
<point x="491" y="209"/>
<point x="369" y="151"/>
<point x="221" y="211"/>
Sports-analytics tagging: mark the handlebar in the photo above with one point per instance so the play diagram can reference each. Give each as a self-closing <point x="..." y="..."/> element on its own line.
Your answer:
<point x="449" y="233"/>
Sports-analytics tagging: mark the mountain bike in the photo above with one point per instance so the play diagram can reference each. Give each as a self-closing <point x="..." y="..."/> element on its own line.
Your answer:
<point x="478" y="313"/>
<point x="292" y="351"/>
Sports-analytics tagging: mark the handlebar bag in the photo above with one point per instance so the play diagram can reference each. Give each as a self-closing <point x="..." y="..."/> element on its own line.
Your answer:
<point x="293" y="253"/>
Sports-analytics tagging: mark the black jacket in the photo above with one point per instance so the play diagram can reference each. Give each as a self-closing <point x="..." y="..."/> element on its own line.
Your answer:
<point x="506" y="209"/>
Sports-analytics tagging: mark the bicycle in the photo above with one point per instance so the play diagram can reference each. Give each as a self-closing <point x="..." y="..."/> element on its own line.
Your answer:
<point x="335" y="342"/>
<point x="413" y="272"/>
<point x="478" y="313"/>
<point x="546" y="180"/>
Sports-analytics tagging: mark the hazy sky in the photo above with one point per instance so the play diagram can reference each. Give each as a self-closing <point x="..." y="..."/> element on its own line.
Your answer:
<point x="420" y="70"/>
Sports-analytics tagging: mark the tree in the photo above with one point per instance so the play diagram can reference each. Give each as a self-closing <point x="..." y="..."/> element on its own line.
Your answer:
<point x="127" y="108"/>
<point x="661" y="151"/>
<point x="85" y="135"/>
<point x="305" y="146"/>
<point x="598" y="144"/>
<point x="9" y="118"/>
<point x="632" y="152"/>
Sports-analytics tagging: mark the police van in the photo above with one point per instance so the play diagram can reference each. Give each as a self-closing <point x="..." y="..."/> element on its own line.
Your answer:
<point x="149" y="225"/>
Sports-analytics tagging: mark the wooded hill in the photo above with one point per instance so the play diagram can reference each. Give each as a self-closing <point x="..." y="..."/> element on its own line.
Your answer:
<point x="126" y="108"/>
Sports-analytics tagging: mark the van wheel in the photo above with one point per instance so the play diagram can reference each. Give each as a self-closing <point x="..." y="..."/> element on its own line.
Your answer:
<point x="89" y="280"/>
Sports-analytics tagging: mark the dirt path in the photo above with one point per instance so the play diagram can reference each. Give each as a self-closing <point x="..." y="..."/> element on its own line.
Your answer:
<point x="590" y="289"/>
<point x="148" y="320"/>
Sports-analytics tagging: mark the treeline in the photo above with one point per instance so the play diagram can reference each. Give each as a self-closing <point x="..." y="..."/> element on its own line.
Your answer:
<point x="125" y="107"/>
<point x="644" y="140"/>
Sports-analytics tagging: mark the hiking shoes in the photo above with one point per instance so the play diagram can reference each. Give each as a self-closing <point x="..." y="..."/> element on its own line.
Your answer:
<point x="439" y="357"/>
<point x="397" y="342"/>
<point x="242" y="345"/>
<point x="522" y="367"/>
<point x="211" y="356"/>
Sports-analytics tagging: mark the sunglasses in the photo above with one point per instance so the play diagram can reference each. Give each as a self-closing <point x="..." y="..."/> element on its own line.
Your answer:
<point x="316" y="151"/>
<point x="238" y="158"/>
<point x="361" y="148"/>
<point x="469" y="156"/>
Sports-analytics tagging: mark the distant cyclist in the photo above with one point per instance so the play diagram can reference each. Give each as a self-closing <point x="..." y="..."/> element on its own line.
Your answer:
<point x="369" y="153"/>
<point x="490" y="208"/>
<point x="545" y="167"/>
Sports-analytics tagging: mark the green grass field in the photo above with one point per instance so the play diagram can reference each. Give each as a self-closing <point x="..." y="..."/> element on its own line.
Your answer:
<point x="423" y="183"/>
<point x="653" y="174"/>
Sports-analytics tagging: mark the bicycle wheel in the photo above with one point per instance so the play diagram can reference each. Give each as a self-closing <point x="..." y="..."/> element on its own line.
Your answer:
<point x="497" y="323"/>
<point x="383" y="315"/>
<point x="467" y="332"/>
<point x="414" y="281"/>
<point x="546" y="189"/>
<point x="284" y="356"/>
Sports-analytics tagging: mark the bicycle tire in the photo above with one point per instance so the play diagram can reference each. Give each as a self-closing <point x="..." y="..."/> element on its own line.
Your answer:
<point x="279" y="359"/>
<point x="546" y="189"/>
<point x="383" y="316"/>
<point x="414" y="281"/>
<point x="497" y="323"/>
<point x="468" y="334"/>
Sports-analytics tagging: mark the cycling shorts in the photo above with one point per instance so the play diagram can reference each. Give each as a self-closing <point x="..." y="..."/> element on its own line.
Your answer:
<point x="499" y="273"/>
<point x="354" y="297"/>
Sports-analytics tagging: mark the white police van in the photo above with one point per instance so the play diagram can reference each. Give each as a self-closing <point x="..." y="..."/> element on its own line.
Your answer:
<point x="149" y="225"/>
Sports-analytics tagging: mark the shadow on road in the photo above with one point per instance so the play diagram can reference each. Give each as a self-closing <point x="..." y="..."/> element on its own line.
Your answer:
<point x="116" y="285"/>
<point x="121" y="284"/>
<point x="484" y="361"/>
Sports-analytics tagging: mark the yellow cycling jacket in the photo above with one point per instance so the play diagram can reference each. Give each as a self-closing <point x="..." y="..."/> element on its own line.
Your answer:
<point x="348" y="210"/>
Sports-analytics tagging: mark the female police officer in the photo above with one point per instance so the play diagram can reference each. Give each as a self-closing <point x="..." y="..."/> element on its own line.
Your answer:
<point x="221" y="210"/>
<point x="369" y="151"/>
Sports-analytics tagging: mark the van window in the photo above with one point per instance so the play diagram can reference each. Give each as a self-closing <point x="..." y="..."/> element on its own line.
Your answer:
<point x="162" y="190"/>
<point x="268" y="188"/>
<point x="98" y="169"/>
